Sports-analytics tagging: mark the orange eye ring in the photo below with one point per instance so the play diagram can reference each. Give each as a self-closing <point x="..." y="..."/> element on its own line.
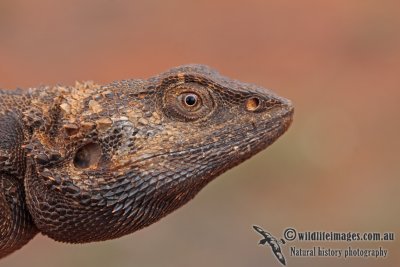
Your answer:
<point x="189" y="102"/>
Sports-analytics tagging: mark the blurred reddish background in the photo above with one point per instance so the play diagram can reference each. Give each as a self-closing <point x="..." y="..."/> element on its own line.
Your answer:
<point x="337" y="169"/>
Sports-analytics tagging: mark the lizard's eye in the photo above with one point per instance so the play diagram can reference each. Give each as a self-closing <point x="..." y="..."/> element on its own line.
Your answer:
<point x="188" y="102"/>
<point x="190" y="99"/>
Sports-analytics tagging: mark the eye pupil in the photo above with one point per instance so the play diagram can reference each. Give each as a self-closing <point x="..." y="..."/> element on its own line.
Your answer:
<point x="191" y="100"/>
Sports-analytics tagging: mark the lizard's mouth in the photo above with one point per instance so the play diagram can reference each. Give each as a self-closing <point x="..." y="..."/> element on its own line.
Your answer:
<point x="258" y="139"/>
<point x="247" y="140"/>
<point x="286" y="117"/>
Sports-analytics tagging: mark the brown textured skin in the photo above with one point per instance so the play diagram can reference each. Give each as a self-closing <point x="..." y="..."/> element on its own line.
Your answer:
<point x="89" y="163"/>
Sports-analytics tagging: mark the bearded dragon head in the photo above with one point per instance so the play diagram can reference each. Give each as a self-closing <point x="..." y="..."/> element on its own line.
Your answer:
<point x="108" y="160"/>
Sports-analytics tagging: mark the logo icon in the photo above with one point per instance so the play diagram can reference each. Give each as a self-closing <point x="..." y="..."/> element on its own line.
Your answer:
<point x="272" y="242"/>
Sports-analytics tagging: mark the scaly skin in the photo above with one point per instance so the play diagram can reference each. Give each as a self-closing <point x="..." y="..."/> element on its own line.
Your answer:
<point x="89" y="163"/>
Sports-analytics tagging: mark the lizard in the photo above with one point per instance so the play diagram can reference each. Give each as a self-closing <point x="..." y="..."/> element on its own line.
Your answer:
<point x="93" y="162"/>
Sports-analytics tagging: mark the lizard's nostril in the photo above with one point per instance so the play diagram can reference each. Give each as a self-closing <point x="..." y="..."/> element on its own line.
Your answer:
<point x="252" y="104"/>
<point x="87" y="156"/>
